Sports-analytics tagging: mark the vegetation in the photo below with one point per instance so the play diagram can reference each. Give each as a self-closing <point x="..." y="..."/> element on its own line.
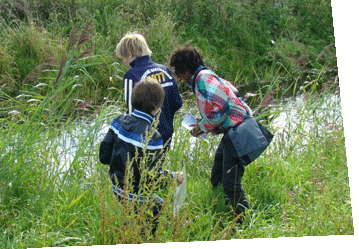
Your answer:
<point x="54" y="191"/>
<point x="61" y="84"/>
<point x="251" y="43"/>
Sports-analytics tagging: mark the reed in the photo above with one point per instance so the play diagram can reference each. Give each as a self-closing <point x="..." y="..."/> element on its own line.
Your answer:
<point x="61" y="85"/>
<point x="54" y="192"/>
<point x="250" y="43"/>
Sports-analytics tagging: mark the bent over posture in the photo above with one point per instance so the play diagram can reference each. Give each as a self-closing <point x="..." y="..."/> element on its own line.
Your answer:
<point x="222" y="111"/>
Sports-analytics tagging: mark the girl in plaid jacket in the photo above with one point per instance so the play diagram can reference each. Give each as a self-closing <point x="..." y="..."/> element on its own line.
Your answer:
<point x="224" y="112"/>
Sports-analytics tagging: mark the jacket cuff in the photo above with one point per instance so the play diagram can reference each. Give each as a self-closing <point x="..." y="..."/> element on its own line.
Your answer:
<point x="169" y="173"/>
<point x="201" y="126"/>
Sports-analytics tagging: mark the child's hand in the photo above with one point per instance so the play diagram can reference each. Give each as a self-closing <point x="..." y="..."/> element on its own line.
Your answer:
<point x="180" y="177"/>
<point x="197" y="121"/>
<point x="196" y="131"/>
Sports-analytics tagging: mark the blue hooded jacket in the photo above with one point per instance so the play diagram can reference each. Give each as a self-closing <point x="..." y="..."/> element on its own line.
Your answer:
<point x="125" y="141"/>
<point x="143" y="67"/>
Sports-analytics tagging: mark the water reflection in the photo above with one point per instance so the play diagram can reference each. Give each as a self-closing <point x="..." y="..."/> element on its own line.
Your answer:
<point x="309" y="115"/>
<point x="299" y="120"/>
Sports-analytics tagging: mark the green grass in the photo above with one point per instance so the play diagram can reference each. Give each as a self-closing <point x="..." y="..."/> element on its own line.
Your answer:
<point x="234" y="36"/>
<point x="293" y="190"/>
<point x="53" y="82"/>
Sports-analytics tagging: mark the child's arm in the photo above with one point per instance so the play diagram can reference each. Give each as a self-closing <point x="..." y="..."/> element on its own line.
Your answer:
<point x="157" y="159"/>
<point x="106" y="148"/>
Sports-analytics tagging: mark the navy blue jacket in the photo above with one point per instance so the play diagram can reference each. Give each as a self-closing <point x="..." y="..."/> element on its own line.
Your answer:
<point x="126" y="135"/>
<point x="143" y="67"/>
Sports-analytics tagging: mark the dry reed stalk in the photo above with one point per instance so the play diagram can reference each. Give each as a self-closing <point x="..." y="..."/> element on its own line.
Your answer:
<point x="103" y="214"/>
<point x="86" y="34"/>
<point x="89" y="51"/>
<point x="225" y="233"/>
<point x="62" y="63"/>
<point x="36" y="71"/>
<point x="217" y="224"/>
<point x="74" y="38"/>
<point x="267" y="101"/>
<point x="179" y="224"/>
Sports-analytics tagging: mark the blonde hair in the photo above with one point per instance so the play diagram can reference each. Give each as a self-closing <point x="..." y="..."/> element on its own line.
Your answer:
<point x="132" y="44"/>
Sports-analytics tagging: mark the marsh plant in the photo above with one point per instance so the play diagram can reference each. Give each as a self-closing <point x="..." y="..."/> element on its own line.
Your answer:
<point x="298" y="188"/>
<point x="251" y="43"/>
<point x="61" y="84"/>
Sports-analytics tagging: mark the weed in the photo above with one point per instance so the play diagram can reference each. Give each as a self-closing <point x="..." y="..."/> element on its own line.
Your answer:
<point x="60" y="84"/>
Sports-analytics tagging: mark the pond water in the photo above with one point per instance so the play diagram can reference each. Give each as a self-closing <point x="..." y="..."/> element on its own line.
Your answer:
<point x="302" y="119"/>
<point x="295" y="121"/>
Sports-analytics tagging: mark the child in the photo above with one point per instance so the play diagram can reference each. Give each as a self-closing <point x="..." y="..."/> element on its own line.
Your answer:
<point x="136" y="54"/>
<point x="222" y="112"/>
<point x="125" y="145"/>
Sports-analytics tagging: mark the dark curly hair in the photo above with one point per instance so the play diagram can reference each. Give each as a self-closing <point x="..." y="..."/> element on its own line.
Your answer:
<point x="186" y="58"/>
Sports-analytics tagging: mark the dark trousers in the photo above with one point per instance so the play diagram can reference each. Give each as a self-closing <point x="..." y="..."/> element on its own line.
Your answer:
<point x="228" y="169"/>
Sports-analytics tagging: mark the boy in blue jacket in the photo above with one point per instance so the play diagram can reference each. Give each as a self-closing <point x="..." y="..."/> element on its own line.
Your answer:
<point x="130" y="143"/>
<point x="134" y="51"/>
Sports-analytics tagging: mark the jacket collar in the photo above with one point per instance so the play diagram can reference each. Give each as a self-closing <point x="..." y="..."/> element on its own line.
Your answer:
<point x="141" y="61"/>
<point x="191" y="82"/>
<point x="143" y="115"/>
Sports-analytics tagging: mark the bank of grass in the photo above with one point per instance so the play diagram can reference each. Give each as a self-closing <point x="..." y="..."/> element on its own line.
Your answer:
<point x="299" y="187"/>
<point x="250" y="43"/>
<point x="53" y="79"/>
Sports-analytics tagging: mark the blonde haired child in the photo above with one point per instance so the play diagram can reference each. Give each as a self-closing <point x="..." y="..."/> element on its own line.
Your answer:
<point x="136" y="54"/>
<point x="132" y="45"/>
